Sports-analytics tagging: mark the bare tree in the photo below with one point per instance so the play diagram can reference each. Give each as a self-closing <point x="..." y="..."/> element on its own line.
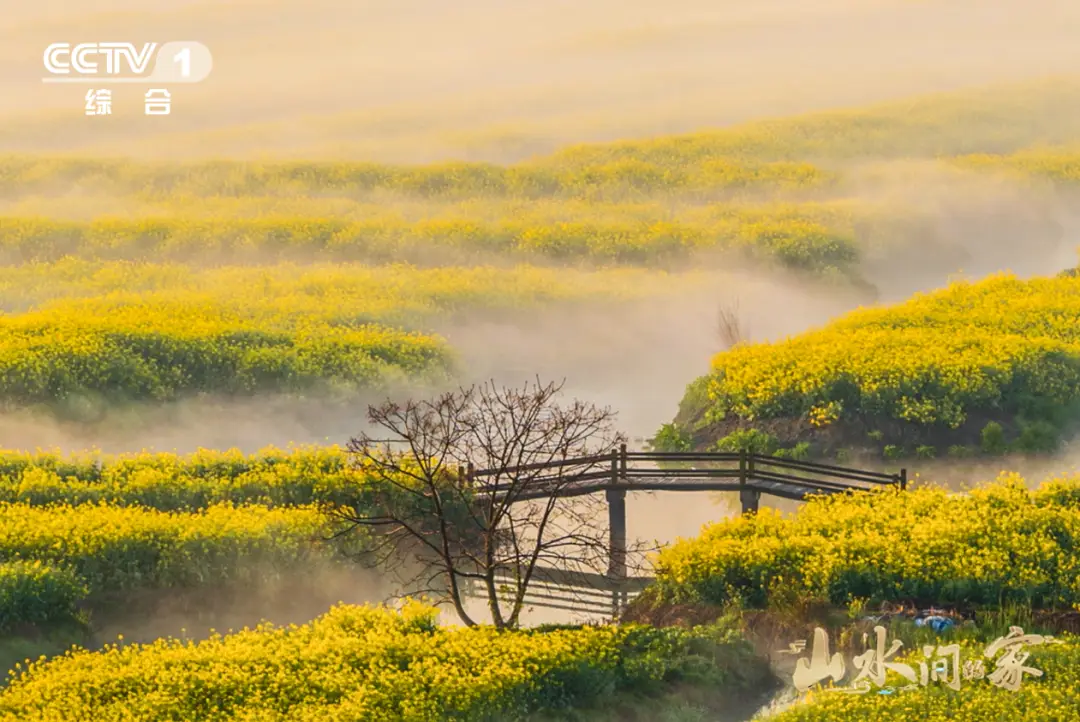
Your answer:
<point x="730" y="326"/>
<point x="470" y="494"/>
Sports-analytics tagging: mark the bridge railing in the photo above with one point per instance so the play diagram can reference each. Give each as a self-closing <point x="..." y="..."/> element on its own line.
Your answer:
<point x="577" y="591"/>
<point x="554" y="464"/>
<point x="619" y="468"/>
<point x="823" y="477"/>
<point x="596" y="469"/>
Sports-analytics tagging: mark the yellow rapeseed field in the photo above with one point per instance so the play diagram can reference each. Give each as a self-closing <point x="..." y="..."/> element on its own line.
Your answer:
<point x="1057" y="165"/>
<point x="800" y="243"/>
<point x="145" y="348"/>
<point x="337" y="293"/>
<point x="1000" y="544"/>
<point x="166" y="481"/>
<point x="993" y="346"/>
<point x="123" y="331"/>
<point x="604" y="180"/>
<point x="39" y="594"/>
<point x="53" y="557"/>
<point x="997" y="119"/>
<point x="86" y="524"/>
<point x="354" y="663"/>
<point x="116" y="547"/>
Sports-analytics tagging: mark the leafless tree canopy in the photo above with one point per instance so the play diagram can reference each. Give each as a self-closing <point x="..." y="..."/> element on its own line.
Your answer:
<point x="468" y="490"/>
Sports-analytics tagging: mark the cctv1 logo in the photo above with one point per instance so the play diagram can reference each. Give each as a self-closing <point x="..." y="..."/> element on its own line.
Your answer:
<point x="173" y="62"/>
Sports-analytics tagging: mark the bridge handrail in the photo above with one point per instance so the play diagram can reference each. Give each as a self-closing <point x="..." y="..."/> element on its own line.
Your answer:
<point x="684" y="455"/>
<point x="676" y="456"/>
<point x="809" y="483"/>
<point x="556" y="464"/>
<point x="553" y="480"/>
<point x="852" y="476"/>
<point x="675" y="473"/>
<point x="877" y="476"/>
<point x="589" y="474"/>
<point x="574" y="578"/>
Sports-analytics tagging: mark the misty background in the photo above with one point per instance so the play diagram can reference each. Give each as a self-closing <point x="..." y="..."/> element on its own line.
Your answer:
<point x="500" y="81"/>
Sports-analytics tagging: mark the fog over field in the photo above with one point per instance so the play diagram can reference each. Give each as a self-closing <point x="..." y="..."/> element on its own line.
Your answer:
<point x="417" y="80"/>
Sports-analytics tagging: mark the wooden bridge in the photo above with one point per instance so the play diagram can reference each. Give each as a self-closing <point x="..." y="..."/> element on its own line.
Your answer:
<point x="621" y="471"/>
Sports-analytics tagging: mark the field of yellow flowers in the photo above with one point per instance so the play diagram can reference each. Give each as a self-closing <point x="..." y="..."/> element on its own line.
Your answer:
<point x="1000" y="544"/>
<point x="1002" y="349"/>
<point x="1057" y="165"/>
<point x="88" y="333"/>
<point x="790" y="238"/>
<point x="57" y="556"/>
<point x="368" y="663"/>
<point x="168" y="482"/>
<point x="337" y="294"/>
<point x="159" y="349"/>
<point x="1000" y="119"/>
<point x="601" y="181"/>
<point x="73" y="527"/>
<point x="76" y="529"/>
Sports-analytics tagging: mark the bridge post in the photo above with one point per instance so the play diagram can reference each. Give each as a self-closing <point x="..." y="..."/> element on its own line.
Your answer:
<point x="748" y="496"/>
<point x="750" y="499"/>
<point x="616" y="500"/>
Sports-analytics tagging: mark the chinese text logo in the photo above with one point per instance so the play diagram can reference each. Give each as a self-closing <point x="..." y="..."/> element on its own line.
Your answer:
<point x="112" y="62"/>
<point x="940" y="664"/>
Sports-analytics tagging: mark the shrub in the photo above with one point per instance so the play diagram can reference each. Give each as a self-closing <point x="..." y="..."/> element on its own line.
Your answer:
<point x="992" y="439"/>
<point x="671" y="437"/>
<point x="1038" y="437"/>
<point x="925" y="452"/>
<point x="959" y="451"/>
<point x="753" y="441"/>
<point x="799" y="452"/>
<point x="34" y="593"/>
